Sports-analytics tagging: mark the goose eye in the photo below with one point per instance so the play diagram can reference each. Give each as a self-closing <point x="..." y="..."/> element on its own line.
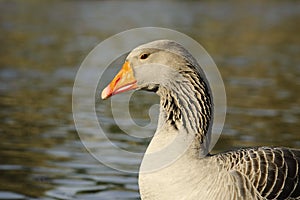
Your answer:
<point x="144" y="56"/>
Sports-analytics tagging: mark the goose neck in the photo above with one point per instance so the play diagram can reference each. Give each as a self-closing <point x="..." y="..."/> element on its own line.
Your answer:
<point x="187" y="108"/>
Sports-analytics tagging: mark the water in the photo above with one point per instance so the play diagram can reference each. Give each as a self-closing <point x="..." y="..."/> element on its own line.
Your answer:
<point x="255" y="45"/>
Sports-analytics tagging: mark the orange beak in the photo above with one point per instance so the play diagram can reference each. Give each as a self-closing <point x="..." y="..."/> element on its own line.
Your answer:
<point x="122" y="82"/>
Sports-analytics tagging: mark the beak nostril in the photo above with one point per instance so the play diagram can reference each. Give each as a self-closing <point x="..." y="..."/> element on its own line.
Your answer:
<point x="119" y="78"/>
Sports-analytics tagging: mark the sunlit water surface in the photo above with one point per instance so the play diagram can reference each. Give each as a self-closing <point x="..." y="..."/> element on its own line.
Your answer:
<point x="255" y="45"/>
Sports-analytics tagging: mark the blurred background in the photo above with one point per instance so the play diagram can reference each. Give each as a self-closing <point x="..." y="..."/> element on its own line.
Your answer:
<point x="256" y="46"/>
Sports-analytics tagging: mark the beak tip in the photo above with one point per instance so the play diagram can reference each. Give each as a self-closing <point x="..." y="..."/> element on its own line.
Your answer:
<point x="105" y="93"/>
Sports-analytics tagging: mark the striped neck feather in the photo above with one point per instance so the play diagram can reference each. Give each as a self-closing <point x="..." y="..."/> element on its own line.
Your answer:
<point x="187" y="105"/>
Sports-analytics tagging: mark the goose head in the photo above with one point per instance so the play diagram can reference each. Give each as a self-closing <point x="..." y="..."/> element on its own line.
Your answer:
<point x="167" y="68"/>
<point x="152" y="66"/>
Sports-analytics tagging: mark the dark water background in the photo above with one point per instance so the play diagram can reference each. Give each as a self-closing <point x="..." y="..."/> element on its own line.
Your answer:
<point x="255" y="45"/>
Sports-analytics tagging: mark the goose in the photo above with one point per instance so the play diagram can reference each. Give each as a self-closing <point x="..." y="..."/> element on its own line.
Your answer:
<point x="177" y="164"/>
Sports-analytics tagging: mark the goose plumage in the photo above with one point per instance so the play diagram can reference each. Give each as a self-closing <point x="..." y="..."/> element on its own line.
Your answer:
<point x="177" y="163"/>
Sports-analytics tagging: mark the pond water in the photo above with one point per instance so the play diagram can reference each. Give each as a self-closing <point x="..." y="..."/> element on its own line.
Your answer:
<point x="255" y="45"/>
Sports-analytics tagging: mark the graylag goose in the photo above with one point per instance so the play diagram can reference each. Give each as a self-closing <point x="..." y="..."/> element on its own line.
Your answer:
<point x="177" y="164"/>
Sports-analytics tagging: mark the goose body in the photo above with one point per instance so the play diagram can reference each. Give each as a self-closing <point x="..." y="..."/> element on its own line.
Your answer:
<point x="177" y="164"/>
